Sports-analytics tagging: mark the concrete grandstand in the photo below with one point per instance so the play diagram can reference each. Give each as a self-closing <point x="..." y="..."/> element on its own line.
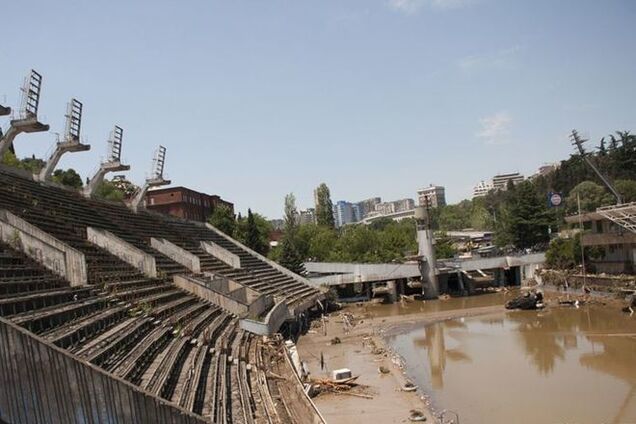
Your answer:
<point x="114" y="315"/>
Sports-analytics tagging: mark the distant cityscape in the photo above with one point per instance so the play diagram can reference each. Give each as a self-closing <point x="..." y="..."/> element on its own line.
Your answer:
<point x="372" y="209"/>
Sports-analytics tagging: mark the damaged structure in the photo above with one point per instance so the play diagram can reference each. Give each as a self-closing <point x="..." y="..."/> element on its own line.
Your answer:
<point x="111" y="313"/>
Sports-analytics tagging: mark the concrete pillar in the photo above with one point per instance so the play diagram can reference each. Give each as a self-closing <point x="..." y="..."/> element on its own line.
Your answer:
<point x="60" y="149"/>
<point x="391" y="286"/>
<point x="426" y="252"/>
<point x="18" y="126"/>
<point x="104" y="169"/>
<point x="139" y="198"/>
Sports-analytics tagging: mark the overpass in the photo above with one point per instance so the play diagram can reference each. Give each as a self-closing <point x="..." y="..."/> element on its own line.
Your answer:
<point x="338" y="273"/>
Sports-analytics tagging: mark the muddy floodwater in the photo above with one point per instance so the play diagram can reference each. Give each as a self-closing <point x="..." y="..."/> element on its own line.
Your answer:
<point x="561" y="365"/>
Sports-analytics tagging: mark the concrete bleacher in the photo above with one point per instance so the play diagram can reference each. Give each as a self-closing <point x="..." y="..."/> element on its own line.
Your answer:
<point x="169" y="343"/>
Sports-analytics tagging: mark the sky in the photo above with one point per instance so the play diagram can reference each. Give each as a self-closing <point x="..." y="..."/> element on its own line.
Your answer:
<point x="257" y="99"/>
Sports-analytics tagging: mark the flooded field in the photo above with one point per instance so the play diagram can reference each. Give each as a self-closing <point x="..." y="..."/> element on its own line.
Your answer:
<point x="561" y="365"/>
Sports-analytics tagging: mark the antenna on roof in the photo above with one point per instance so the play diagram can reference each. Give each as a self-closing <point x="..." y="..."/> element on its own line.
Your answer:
<point x="578" y="142"/>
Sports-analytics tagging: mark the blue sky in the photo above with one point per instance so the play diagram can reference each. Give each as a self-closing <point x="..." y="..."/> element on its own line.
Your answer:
<point x="256" y="99"/>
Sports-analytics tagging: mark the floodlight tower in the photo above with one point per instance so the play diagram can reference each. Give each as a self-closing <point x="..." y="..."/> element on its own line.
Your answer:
<point x="71" y="142"/>
<point x="27" y="122"/>
<point x="111" y="164"/>
<point x="155" y="180"/>
<point x="426" y="252"/>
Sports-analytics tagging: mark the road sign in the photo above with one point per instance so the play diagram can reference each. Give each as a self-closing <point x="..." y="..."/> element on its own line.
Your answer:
<point x="555" y="199"/>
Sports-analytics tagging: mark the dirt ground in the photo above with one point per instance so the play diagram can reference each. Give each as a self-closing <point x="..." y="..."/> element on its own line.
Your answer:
<point x="358" y="351"/>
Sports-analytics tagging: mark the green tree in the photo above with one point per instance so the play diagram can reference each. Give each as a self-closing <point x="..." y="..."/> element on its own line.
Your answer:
<point x="32" y="164"/>
<point x="444" y="248"/>
<point x="324" y="207"/>
<point x="222" y="218"/>
<point x="592" y="196"/>
<point x="68" y="178"/>
<point x="527" y="220"/>
<point x="256" y="236"/>
<point x="627" y="189"/>
<point x="290" y="256"/>
<point x="561" y="254"/>
<point x="109" y="191"/>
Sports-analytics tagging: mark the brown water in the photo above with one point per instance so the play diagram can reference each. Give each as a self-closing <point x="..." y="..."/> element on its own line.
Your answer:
<point x="561" y="365"/>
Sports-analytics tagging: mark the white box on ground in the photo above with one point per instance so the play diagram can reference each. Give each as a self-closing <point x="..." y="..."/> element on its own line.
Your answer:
<point x="341" y="374"/>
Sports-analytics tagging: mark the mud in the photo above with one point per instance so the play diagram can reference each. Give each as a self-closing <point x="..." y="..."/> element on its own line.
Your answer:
<point x="473" y="357"/>
<point x="571" y="365"/>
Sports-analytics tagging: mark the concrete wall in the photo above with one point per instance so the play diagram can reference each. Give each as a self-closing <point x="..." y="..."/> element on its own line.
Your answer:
<point x="261" y="257"/>
<point x="221" y="253"/>
<point x="271" y="323"/>
<point x="199" y="289"/>
<point x="41" y="383"/>
<point x="55" y="255"/>
<point x="177" y="254"/>
<point x="123" y="250"/>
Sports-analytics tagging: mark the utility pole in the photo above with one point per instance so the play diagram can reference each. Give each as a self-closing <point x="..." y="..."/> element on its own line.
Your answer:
<point x="578" y="142"/>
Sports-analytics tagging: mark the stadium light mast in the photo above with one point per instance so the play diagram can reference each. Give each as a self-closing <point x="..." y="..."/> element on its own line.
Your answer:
<point x="111" y="164"/>
<point x="27" y="122"/>
<point x="71" y="141"/>
<point x="156" y="179"/>
<point x="578" y="142"/>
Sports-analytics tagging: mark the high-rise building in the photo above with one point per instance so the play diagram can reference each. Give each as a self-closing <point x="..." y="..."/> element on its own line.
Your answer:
<point x="545" y="170"/>
<point x="500" y="182"/>
<point x="366" y="206"/>
<point x="482" y="189"/>
<point x="307" y="216"/>
<point x="343" y="213"/>
<point x="387" y="208"/>
<point x="432" y="196"/>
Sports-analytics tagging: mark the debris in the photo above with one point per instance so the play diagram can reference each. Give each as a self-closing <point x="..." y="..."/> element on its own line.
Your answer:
<point x="530" y="300"/>
<point x="416" y="415"/>
<point x="341" y="374"/>
<point x="336" y="340"/>
<point x="409" y="387"/>
<point x="383" y="370"/>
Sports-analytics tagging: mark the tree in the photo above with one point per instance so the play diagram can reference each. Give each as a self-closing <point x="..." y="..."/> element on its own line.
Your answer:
<point x="109" y="191"/>
<point x="290" y="256"/>
<point x="527" y="220"/>
<point x="444" y="248"/>
<point x="32" y="164"/>
<point x="627" y="189"/>
<point x="222" y="218"/>
<point x="68" y="178"/>
<point x="562" y="254"/>
<point x="125" y="186"/>
<point x="591" y="196"/>
<point x="324" y="207"/>
<point x="255" y="238"/>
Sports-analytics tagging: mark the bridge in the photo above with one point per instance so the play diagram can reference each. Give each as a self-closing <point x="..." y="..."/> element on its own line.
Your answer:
<point x="337" y="273"/>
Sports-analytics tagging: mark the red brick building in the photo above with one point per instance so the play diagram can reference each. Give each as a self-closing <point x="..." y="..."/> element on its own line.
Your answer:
<point x="184" y="203"/>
